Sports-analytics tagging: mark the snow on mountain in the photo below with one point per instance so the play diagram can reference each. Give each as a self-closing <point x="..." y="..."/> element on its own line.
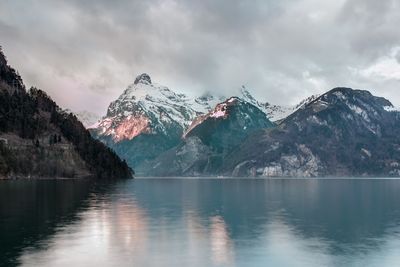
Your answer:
<point x="209" y="139"/>
<point x="273" y="112"/>
<point x="87" y="118"/>
<point x="221" y="111"/>
<point x="206" y="102"/>
<point x="147" y="107"/>
<point x="344" y="132"/>
<point x="392" y="108"/>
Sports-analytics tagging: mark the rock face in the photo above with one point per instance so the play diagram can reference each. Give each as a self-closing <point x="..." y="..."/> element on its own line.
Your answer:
<point x="143" y="78"/>
<point x="228" y="124"/>
<point x="344" y="132"/>
<point x="152" y="119"/>
<point x="209" y="140"/>
<point x="38" y="139"/>
<point x="147" y="117"/>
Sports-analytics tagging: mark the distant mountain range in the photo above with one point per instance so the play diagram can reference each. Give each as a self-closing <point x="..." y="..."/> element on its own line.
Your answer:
<point x="344" y="132"/>
<point x="159" y="132"/>
<point x="162" y="133"/>
<point x="152" y="119"/>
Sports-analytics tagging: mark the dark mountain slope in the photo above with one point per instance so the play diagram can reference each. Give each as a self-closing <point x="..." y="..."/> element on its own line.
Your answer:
<point x="37" y="139"/>
<point x="208" y="140"/>
<point x="344" y="132"/>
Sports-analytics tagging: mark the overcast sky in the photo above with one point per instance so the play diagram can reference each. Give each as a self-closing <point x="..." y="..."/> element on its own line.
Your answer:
<point x="85" y="53"/>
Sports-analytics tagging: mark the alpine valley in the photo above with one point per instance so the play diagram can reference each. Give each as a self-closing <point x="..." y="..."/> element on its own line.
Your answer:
<point x="343" y="132"/>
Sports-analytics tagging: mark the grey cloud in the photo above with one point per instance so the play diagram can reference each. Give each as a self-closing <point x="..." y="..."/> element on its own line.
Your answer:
<point x="370" y="26"/>
<point x="398" y="57"/>
<point x="282" y="50"/>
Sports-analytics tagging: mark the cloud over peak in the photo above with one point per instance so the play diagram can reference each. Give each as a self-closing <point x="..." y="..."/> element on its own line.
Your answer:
<point x="282" y="50"/>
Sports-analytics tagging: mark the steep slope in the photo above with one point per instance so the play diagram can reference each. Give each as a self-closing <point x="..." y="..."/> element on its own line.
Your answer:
<point x="141" y="103"/>
<point x="10" y="81"/>
<point x="274" y="113"/>
<point x="38" y="139"/>
<point x="344" y="132"/>
<point x="147" y="117"/>
<point x="209" y="139"/>
<point x="150" y="118"/>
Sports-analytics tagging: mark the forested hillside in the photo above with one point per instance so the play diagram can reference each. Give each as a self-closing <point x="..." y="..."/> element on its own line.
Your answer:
<point x="38" y="139"/>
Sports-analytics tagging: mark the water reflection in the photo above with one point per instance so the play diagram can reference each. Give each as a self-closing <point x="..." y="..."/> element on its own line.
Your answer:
<point x="221" y="244"/>
<point x="32" y="211"/>
<point x="215" y="223"/>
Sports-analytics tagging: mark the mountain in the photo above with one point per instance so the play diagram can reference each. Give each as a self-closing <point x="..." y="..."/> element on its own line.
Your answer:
<point x="152" y="118"/>
<point x="145" y="107"/>
<point x="274" y="113"/>
<point x="38" y="139"/>
<point x="146" y="117"/>
<point x="208" y="140"/>
<point x="344" y="132"/>
<point x="87" y="118"/>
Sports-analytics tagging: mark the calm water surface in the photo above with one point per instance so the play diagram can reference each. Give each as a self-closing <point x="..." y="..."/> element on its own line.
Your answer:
<point x="200" y="222"/>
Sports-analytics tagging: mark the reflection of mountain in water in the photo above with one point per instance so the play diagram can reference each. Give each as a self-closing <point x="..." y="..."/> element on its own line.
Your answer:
<point x="347" y="213"/>
<point x="32" y="211"/>
<point x="171" y="222"/>
<point x="344" y="213"/>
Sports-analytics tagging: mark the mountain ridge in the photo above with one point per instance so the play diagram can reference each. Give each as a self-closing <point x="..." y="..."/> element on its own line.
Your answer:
<point x="208" y="140"/>
<point x="152" y="116"/>
<point x="164" y="123"/>
<point x="344" y="132"/>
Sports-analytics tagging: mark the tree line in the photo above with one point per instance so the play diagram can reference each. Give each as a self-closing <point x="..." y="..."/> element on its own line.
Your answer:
<point x="33" y="114"/>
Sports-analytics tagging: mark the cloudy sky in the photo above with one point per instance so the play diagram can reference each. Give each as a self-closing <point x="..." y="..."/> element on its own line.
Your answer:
<point x="84" y="53"/>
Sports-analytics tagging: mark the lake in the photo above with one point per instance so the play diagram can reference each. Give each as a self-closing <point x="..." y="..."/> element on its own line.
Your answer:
<point x="201" y="222"/>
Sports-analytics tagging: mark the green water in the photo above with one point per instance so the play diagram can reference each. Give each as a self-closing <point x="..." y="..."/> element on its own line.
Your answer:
<point x="200" y="222"/>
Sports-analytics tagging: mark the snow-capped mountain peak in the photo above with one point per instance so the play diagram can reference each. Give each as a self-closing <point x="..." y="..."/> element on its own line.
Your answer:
<point x="305" y="101"/>
<point x="246" y="95"/>
<point x="149" y="107"/>
<point x="273" y="112"/>
<point x="143" y="78"/>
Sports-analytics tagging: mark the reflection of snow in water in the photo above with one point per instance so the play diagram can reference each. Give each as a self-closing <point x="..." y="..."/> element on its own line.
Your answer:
<point x="121" y="231"/>
<point x="221" y="244"/>
<point x="106" y="235"/>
